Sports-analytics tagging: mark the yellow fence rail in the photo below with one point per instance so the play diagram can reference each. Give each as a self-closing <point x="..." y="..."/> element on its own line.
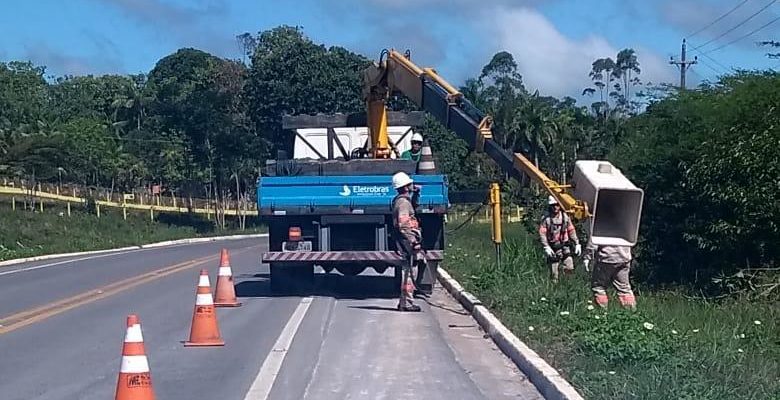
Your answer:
<point x="124" y="205"/>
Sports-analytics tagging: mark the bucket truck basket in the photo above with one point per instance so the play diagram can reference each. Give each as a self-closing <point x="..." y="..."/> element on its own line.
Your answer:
<point x="614" y="202"/>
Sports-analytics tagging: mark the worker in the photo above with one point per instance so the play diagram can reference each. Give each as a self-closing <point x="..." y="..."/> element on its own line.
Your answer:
<point x="612" y="265"/>
<point x="415" y="153"/>
<point x="557" y="233"/>
<point x="409" y="236"/>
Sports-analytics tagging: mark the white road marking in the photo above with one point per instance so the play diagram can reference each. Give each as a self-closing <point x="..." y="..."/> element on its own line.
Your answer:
<point x="66" y="262"/>
<point x="261" y="387"/>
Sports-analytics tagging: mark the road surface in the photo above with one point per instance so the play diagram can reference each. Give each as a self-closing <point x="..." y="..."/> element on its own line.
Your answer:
<point x="63" y="323"/>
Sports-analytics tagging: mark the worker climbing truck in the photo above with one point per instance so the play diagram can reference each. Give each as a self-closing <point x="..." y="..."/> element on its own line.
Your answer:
<point x="336" y="212"/>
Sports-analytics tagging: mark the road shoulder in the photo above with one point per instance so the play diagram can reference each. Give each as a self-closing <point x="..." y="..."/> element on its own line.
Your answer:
<point x="496" y="376"/>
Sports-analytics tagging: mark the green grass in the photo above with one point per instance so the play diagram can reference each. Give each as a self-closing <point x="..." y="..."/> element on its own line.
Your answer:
<point x="696" y="349"/>
<point x="27" y="233"/>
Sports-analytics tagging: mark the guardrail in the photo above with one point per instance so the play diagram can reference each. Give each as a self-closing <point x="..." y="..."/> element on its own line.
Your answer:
<point x="124" y="205"/>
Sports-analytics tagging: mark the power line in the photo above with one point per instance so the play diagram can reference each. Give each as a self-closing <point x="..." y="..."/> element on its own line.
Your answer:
<point x="718" y="63"/>
<point x="737" y="26"/>
<point x="744" y="36"/>
<point x="718" y="19"/>
<point x="717" y="72"/>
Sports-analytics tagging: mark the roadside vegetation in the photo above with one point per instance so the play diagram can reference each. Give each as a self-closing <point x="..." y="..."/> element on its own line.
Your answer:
<point x="675" y="346"/>
<point x="28" y="234"/>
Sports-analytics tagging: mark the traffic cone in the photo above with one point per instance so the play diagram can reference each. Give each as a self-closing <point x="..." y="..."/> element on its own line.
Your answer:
<point x="426" y="166"/>
<point x="225" y="293"/>
<point x="204" y="330"/>
<point x="135" y="380"/>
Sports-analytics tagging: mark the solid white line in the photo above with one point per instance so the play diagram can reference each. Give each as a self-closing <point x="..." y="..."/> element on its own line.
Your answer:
<point x="261" y="387"/>
<point x="116" y="252"/>
<point x="66" y="262"/>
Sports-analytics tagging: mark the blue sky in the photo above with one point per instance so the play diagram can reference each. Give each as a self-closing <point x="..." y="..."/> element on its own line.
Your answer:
<point x="553" y="41"/>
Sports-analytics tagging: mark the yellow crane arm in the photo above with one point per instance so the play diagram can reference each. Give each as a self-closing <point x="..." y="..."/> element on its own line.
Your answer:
<point x="426" y="88"/>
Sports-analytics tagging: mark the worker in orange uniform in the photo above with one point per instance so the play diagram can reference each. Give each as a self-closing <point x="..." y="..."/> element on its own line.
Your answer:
<point x="557" y="233"/>
<point x="613" y="265"/>
<point x="409" y="236"/>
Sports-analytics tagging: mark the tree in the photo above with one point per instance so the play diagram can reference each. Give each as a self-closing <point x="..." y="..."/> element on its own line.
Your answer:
<point x="602" y="76"/>
<point x="626" y="71"/>
<point x="707" y="161"/>
<point x="772" y="44"/>
<point x="290" y="74"/>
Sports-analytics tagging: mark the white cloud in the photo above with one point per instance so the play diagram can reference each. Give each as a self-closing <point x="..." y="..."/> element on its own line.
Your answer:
<point x="556" y="64"/>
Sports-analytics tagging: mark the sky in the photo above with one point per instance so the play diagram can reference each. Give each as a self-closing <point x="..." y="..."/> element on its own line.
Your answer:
<point x="553" y="42"/>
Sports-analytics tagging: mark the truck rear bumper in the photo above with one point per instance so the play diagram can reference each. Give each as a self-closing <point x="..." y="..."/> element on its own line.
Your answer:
<point x="343" y="256"/>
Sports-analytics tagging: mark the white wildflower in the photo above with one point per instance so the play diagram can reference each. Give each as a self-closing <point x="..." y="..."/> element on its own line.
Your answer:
<point x="695" y="331"/>
<point x="740" y="351"/>
<point x="530" y="328"/>
<point x="543" y="299"/>
<point x="674" y="332"/>
<point x="757" y="322"/>
<point x="741" y="335"/>
<point x="612" y="372"/>
<point x="648" y="326"/>
<point x="564" y="313"/>
<point x="591" y="308"/>
<point x="597" y="317"/>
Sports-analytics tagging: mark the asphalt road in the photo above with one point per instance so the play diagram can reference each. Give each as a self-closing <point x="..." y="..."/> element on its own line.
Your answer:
<point x="63" y="323"/>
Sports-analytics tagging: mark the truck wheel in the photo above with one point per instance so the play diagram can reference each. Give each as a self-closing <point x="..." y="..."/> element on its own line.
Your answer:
<point x="350" y="270"/>
<point x="292" y="278"/>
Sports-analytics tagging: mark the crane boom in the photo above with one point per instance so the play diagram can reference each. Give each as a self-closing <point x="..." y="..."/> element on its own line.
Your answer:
<point x="433" y="94"/>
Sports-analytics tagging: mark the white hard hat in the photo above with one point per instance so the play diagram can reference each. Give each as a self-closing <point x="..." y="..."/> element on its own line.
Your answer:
<point x="551" y="200"/>
<point x="400" y="179"/>
<point x="416" y="137"/>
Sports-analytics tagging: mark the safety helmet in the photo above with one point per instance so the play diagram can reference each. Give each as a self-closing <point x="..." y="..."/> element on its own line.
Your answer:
<point x="551" y="200"/>
<point x="416" y="137"/>
<point x="401" y="179"/>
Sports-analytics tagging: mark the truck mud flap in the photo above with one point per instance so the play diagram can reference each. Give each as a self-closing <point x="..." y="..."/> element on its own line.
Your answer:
<point x="335" y="256"/>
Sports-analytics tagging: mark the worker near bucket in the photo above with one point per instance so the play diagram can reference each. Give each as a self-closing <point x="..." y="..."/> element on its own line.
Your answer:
<point x="557" y="234"/>
<point x="409" y="236"/>
<point x="612" y="266"/>
<point x="415" y="153"/>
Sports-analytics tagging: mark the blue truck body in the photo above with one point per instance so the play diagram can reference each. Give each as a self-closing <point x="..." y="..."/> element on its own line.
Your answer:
<point x="346" y="225"/>
<point x="350" y="193"/>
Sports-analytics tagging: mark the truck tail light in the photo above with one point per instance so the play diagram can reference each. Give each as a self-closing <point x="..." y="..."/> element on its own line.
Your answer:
<point x="294" y="234"/>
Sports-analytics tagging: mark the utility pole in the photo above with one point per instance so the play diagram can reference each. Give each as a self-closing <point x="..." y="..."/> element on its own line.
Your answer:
<point x="683" y="64"/>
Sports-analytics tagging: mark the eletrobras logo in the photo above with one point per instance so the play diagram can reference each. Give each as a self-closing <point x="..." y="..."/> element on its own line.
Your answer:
<point x="368" y="190"/>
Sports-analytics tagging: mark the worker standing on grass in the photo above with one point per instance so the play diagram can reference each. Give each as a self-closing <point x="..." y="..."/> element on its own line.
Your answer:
<point x="557" y="233"/>
<point x="613" y="265"/>
<point x="409" y="235"/>
<point x="416" y="151"/>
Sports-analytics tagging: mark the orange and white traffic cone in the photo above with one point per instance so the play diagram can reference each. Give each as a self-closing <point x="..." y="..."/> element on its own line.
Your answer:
<point x="427" y="165"/>
<point x="225" y="292"/>
<point x="135" y="380"/>
<point x="205" y="329"/>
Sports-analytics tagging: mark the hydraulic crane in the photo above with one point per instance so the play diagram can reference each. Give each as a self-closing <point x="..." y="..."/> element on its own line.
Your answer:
<point x="606" y="197"/>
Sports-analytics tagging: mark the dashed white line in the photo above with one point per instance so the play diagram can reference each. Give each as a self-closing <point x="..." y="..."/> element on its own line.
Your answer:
<point x="261" y="387"/>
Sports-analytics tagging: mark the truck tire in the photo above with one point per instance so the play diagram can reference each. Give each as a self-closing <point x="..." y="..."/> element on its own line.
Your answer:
<point x="291" y="278"/>
<point x="351" y="270"/>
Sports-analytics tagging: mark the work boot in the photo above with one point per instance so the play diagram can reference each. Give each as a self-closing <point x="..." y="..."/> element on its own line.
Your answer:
<point x="411" y="307"/>
<point x="627" y="301"/>
<point x="602" y="300"/>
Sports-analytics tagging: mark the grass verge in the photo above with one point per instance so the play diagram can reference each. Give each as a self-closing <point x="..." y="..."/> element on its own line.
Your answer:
<point x="673" y="346"/>
<point x="29" y="234"/>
